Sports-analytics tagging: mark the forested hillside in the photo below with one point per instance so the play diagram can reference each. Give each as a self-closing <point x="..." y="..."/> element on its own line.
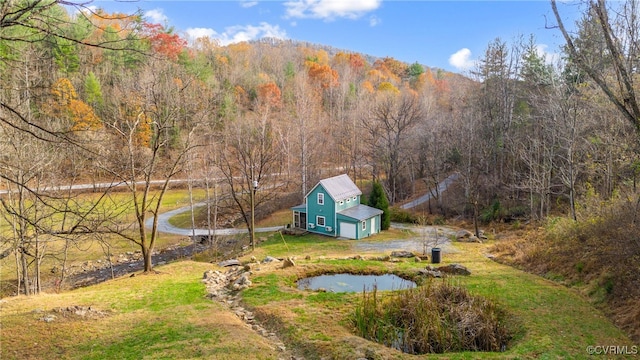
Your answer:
<point x="92" y="97"/>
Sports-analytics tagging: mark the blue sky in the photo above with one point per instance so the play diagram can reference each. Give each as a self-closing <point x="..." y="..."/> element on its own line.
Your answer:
<point x="446" y="34"/>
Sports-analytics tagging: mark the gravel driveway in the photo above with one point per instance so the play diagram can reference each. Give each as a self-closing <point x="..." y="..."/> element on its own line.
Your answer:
<point x="426" y="238"/>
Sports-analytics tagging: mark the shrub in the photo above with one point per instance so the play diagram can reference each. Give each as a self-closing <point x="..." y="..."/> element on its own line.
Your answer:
<point x="493" y="213"/>
<point x="402" y="216"/>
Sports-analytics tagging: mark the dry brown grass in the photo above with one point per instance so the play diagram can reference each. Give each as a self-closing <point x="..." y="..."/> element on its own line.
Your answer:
<point x="598" y="256"/>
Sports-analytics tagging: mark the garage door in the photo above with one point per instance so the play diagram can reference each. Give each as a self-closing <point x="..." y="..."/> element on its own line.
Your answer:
<point x="347" y="230"/>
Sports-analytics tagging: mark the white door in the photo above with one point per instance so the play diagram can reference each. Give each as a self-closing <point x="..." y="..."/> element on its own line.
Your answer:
<point x="374" y="229"/>
<point x="347" y="230"/>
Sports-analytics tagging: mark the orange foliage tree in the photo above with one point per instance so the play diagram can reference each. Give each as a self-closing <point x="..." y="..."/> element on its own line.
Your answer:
<point x="65" y="105"/>
<point x="269" y="94"/>
<point x="323" y="75"/>
<point x="354" y="61"/>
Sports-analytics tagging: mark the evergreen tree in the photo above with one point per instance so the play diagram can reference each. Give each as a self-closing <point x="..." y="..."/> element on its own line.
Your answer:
<point x="378" y="200"/>
<point x="92" y="89"/>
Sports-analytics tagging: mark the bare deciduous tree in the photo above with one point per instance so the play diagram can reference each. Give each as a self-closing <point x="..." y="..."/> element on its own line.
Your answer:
<point x="388" y="125"/>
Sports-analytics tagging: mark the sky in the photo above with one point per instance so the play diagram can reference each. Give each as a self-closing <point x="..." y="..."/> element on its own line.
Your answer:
<point x="451" y="35"/>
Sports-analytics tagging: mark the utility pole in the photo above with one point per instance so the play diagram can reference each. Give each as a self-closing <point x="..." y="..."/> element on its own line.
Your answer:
<point x="254" y="187"/>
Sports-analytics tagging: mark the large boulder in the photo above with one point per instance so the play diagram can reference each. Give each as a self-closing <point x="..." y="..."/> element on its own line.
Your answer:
<point x="429" y="271"/>
<point x="402" y="254"/>
<point x="454" y="269"/>
<point x="466" y="236"/>
<point x="230" y="262"/>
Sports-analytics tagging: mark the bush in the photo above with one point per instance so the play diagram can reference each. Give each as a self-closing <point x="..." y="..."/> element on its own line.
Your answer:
<point x="493" y="213"/>
<point x="402" y="216"/>
<point x="435" y="318"/>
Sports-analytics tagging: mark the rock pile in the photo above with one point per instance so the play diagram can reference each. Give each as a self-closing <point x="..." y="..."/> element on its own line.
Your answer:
<point x="75" y="312"/>
<point x="224" y="287"/>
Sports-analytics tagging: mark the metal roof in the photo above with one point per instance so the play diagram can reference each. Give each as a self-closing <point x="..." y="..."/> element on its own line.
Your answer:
<point x="340" y="187"/>
<point x="301" y="207"/>
<point x="360" y="212"/>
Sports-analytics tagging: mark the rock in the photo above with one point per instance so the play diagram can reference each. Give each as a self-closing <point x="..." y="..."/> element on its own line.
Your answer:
<point x="288" y="262"/>
<point x="402" y="254"/>
<point x="463" y="234"/>
<point x="454" y="269"/>
<point x="468" y="236"/>
<point x="243" y="280"/>
<point x="417" y="259"/>
<point x="269" y="259"/>
<point x="48" y="318"/>
<point x="253" y="259"/>
<point x="430" y="272"/>
<point x="230" y="262"/>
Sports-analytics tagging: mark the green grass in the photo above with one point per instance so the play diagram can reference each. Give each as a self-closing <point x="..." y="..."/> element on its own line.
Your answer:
<point x="559" y="323"/>
<point x="85" y="248"/>
<point x="554" y="321"/>
<point x="162" y="338"/>
<point x="268" y="289"/>
<point x="166" y="315"/>
<point x="278" y="245"/>
<point x="159" y="316"/>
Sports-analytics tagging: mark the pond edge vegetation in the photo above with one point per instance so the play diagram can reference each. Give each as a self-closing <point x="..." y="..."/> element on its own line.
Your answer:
<point x="437" y="317"/>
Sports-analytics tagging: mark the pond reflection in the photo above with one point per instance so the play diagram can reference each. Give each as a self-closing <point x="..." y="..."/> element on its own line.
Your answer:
<point x="354" y="283"/>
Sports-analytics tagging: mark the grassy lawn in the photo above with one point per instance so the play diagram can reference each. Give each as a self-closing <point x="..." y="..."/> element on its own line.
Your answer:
<point x="553" y="321"/>
<point x="87" y="248"/>
<point x="167" y="315"/>
<point x="164" y="315"/>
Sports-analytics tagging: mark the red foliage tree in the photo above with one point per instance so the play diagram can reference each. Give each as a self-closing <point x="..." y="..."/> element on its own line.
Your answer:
<point x="164" y="41"/>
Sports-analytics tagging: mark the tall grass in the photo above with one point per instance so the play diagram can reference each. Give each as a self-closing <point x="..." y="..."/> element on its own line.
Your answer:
<point x="435" y="318"/>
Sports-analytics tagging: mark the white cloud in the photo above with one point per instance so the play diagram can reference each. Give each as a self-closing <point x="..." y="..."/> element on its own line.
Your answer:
<point x="156" y="16"/>
<point x="196" y="33"/>
<point x="461" y="60"/>
<point x="549" y="57"/>
<point x="374" y="21"/>
<point x="330" y="9"/>
<point x="239" y="33"/>
<point x="248" y="3"/>
<point x="85" y="10"/>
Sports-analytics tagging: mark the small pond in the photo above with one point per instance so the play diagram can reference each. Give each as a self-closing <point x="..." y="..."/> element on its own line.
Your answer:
<point x="354" y="283"/>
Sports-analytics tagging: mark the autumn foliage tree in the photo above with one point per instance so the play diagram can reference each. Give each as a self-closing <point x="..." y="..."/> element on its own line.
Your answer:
<point x="269" y="94"/>
<point x="323" y="75"/>
<point x="164" y="41"/>
<point x="65" y="105"/>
